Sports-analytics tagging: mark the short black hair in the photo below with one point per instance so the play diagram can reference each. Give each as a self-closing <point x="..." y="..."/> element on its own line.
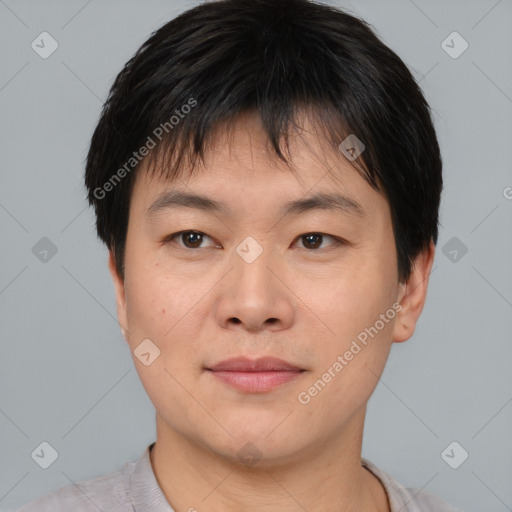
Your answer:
<point x="275" y="57"/>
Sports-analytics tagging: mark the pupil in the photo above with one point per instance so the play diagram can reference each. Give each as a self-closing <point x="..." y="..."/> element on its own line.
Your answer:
<point x="309" y="239"/>
<point x="194" y="239"/>
<point x="194" y="242"/>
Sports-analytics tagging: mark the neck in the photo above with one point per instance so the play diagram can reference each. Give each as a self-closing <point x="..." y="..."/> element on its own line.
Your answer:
<point x="322" y="478"/>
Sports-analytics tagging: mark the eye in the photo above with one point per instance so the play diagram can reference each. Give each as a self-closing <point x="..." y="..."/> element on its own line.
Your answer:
<point x="190" y="239"/>
<point x="314" y="240"/>
<point x="193" y="240"/>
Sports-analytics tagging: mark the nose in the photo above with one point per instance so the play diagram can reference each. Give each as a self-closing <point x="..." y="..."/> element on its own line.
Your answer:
<point x="254" y="296"/>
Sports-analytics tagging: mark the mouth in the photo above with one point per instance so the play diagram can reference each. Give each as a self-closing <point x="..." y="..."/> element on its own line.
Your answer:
<point x="255" y="376"/>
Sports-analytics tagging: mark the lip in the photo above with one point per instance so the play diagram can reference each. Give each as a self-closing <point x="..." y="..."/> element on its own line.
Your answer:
<point x="255" y="376"/>
<point x="263" y="364"/>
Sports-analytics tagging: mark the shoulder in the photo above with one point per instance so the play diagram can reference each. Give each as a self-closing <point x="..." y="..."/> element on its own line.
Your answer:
<point x="410" y="499"/>
<point x="106" y="492"/>
<point x="428" y="502"/>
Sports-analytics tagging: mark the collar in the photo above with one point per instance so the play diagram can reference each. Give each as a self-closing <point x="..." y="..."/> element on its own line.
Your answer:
<point x="147" y="496"/>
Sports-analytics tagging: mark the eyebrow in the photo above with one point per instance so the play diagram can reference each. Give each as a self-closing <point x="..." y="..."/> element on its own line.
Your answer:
<point x="319" y="201"/>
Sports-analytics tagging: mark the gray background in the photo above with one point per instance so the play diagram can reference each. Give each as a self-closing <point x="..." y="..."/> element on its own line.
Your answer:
<point x="66" y="375"/>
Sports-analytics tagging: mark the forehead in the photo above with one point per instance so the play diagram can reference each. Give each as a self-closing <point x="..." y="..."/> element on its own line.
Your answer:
<point x="240" y="164"/>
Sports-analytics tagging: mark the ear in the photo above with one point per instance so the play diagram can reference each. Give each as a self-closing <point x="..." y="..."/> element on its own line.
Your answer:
<point x="412" y="295"/>
<point x="120" y="296"/>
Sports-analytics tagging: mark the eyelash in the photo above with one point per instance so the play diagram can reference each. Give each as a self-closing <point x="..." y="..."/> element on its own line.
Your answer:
<point x="337" y="241"/>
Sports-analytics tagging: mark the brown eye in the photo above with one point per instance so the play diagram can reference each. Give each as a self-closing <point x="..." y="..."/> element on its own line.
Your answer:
<point x="314" y="240"/>
<point x="191" y="239"/>
<point x="188" y="239"/>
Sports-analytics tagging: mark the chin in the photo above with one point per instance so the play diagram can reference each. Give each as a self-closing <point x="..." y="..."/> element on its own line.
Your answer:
<point x="259" y="446"/>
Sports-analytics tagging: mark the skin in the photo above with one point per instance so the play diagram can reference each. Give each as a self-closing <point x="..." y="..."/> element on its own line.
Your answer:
<point x="304" y="305"/>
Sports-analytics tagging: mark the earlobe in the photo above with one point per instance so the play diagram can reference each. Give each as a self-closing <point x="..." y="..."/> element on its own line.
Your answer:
<point x="413" y="294"/>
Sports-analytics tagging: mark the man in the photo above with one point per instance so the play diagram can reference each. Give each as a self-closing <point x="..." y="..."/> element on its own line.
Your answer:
<point x="267" y="179"/>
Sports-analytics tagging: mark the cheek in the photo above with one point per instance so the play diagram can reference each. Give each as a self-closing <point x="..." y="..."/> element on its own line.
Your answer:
<point x="357" y="308"/>
<point x="353" y="358"/>
<point x="164" y="307"/>
<point x="353" y="301"/>
<point x="159" y="309"/>
<point x="155" y="298"/>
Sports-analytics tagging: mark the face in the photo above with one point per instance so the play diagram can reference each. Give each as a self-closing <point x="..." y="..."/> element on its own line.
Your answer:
<point x="254" y="281"/>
